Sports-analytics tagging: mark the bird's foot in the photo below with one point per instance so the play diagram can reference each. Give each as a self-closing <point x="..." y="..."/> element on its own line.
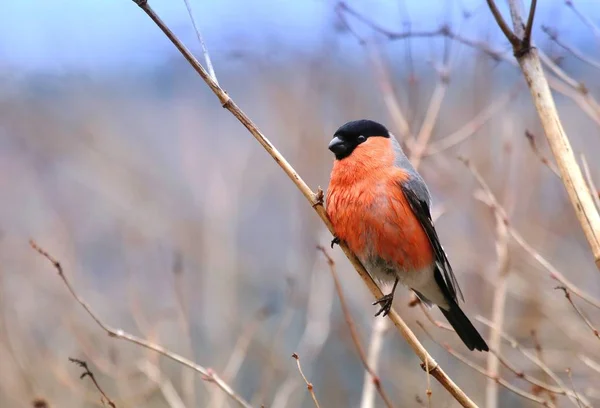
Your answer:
<point x="335" y="241"/>
<point x="386" y="304"/>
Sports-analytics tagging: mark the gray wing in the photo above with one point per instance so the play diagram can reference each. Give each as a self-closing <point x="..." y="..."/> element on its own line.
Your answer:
<point x="417" y="194"/>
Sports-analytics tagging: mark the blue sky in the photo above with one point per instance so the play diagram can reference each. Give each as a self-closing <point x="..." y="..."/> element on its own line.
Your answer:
<point x="91" y="34"/>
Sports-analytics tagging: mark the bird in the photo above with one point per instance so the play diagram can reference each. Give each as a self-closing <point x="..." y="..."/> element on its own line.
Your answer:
<point x="379" y="206"/>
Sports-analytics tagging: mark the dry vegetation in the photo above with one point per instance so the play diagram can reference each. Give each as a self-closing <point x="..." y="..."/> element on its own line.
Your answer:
<point x="172" y="224"/>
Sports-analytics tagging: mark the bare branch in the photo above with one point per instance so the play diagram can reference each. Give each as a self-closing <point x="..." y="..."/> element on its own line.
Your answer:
<point x="579" y="312"/>
<point x="493" y="203"/>
<point x="586" y="20"/>
<point x="512" y="38"/>
<point x="576" y="53"/>
<point x="309" y="386"/>
<point x="590" y="181"/>
<point x="88" y="373"/>
<point x="209" y="65"/>
<point x="208" y="374"/>
<point x="483" y="371"/>
<point x="533" y="144"/>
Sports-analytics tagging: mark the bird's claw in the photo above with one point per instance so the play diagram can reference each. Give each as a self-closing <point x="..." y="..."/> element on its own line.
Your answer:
<point x="335" y="241"/>
<point x="386" y="304"/>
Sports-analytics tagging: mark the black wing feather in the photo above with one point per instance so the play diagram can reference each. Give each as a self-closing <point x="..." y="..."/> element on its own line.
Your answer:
<point x="421" y="210"/>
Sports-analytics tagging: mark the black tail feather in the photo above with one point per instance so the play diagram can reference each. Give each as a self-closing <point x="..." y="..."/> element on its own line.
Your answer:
<point x="464" y="328"/>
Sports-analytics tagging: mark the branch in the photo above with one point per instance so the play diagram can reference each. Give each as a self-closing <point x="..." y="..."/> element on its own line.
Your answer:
<point x="576" y="53"/>
<point x="88" y="373"/>
<point x="483" y="371"/>
<point x="491" y="201"/>
<point x="560" y="389"/>
<point x="512" y="38"/>
<point x="309" y="386"/>
<point x="353" y="333"/>
<point x="316" y="201"/>
<point x="208" y="374"/>
<point x="532" y="143"/>
<point x="579" y="312"/>
<point x="588" y="175"/>
<point x="560" y="145"/>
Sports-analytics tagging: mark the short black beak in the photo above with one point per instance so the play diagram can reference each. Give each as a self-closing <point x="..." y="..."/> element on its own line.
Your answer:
<point x="338" y="146"/>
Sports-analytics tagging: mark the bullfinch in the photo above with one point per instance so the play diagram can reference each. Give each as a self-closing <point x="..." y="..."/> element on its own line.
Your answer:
<point x="380" y="207"/>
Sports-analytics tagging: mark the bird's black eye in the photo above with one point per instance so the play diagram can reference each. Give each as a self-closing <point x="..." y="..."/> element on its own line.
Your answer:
<point x="361" y="139"/>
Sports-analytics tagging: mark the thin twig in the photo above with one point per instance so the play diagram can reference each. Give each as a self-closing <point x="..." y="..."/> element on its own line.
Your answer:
<point x="316" y="201"/>
<point x="590" y="181"/>
<point x="586" y="20"/>
<point x="579" y="312"/>
<point x="492" y="202"/>
<point x="208" y="374"/>
<point x="576" y="53"/>
<point x="88" y="373"/>
<point x="532" y="143"/>
<point x="352" y="327"/>
<point x="309" y="386"/>
<point x="561" y="387"/>
<point x="512" y="38"/>
<point x="209" y="65"/>
<point x="483" y="371"/>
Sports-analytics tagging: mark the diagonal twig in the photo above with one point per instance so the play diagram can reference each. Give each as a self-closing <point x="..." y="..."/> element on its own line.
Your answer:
<point x="88" y="373"/>
<point x="208" y="374"/>
<point x="579" y="311"/>
<point x="309" y="386"/>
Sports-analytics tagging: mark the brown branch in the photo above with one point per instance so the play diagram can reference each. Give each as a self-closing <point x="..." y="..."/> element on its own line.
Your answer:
<point x="309" y="386"/>
<point x="316" y="202"/>
<point x="553" y="35"/>
<point x="560" y="389"/>
<point x="501" y="381"/>
<point x="352" y="327"/>
<point x="207" y="373"/>
<point x="579" y="312"/>
<point x="570" y="173"/>
<point x="88" y="373"/>
<point x="491" y="201"/>
<point x="512" y="38"/>
<point x="533" y="144"/>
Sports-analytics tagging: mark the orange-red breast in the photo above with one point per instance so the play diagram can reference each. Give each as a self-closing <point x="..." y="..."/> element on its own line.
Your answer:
<point x="379" y="206"/>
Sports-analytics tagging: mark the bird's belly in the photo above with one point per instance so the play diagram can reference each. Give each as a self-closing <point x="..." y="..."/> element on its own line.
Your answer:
<point x="381" y="230"/>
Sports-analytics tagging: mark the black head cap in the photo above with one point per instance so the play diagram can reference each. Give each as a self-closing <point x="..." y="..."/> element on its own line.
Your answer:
<point x="351" y="134"/>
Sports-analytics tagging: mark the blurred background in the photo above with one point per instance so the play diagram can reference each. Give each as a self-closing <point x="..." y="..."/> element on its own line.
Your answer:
<point x="175" y="225"/>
